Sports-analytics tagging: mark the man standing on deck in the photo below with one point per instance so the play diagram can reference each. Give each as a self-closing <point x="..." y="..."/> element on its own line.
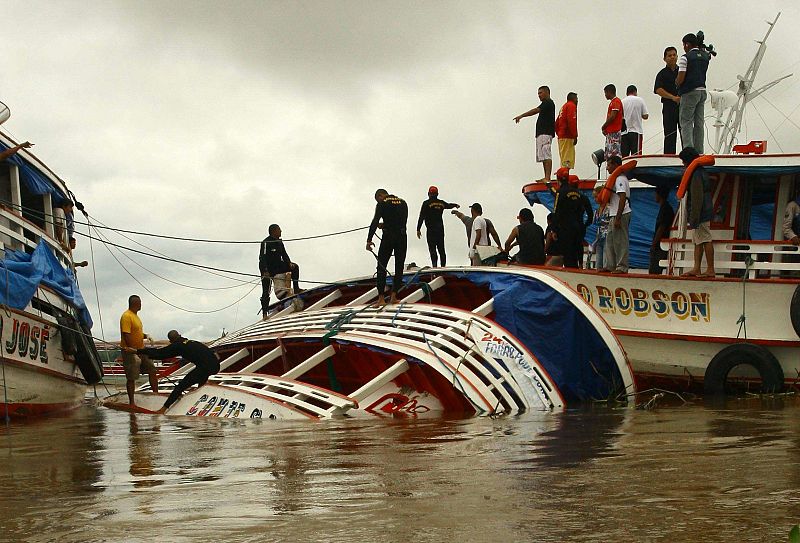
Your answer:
<point x="276" y="267"/>
<point x="431" y="215"/>
<point x="132" y="338"/>
<point x="205" y="363"/>
<point x="612" y="128"/>
<point x="479" y="236"/>
<point x="569" y="210"/>
<point x="394" y="213"/>
<point x="567" y="131"/>
<point x="635" y="110"/>
<point x="545" y="130"/>
<point x="667" y="89"/>
<point x="700" y="211"/>
<point x="691" y="81"/>
<point x="615" y="254"/>
<point x="467" y="221"/>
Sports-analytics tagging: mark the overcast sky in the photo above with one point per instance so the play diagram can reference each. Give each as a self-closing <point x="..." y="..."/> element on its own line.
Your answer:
<point x="214" y="119"/>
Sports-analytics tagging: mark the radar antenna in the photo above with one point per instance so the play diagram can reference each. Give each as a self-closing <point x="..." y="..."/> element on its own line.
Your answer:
<point x="728" y="131"/>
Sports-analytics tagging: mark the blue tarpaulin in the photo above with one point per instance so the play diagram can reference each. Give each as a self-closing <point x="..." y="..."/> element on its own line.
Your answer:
<point x="563" y="340"/>
<point x="644" y="211"/>
<point x="36" y="182"/>
<point x="21" y="274"/>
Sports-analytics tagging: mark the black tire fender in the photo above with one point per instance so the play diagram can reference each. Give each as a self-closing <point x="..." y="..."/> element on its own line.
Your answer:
<point x="794" y="311"/>
<point x="748" y="354"/>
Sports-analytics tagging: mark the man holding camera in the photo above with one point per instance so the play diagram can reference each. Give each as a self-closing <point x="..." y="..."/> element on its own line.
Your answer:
<point x="691" y="81"/>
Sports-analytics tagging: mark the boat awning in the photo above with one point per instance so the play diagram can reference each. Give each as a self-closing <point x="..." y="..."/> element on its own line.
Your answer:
<point x="34" y="179"/>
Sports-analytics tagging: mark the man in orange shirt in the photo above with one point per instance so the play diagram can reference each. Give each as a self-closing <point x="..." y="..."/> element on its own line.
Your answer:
<point x="612" y="128"/>
<point x="567" y="131"/>
<point x="132" y="337"/>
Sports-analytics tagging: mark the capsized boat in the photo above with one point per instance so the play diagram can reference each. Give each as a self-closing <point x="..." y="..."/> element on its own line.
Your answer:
<point x="46" y="351"/>
<point x="471" y="341"/>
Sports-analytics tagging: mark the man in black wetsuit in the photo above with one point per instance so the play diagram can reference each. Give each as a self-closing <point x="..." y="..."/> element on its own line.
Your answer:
<point x="569" y="209"/>
<point x="273" y="261"/>
<point x="394" y="212"/>
<point x="431" y="214"/>
<point x="529" y="236"/>
<point x="204" y="360"/>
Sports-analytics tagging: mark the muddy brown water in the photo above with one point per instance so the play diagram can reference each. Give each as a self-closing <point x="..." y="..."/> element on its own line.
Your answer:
<point x="696" y="472"/>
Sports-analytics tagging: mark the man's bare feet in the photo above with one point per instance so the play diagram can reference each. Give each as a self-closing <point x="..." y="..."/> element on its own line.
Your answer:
<point x="691" y="273"/>
<point x="162" y="411"/>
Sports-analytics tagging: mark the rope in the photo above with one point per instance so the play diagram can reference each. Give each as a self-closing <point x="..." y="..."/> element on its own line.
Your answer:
<point x="43" y="215"/>
<point x="742" y="322"/>
<point x="96" y="289"/>
<point x="170" y="303"/>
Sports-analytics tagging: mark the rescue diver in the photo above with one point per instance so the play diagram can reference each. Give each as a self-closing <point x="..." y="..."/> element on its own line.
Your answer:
<point x="204" y="360"/>
<point x="394" y="212"/>
<point x="274" y="264"/>
<point x="431" y="215"/>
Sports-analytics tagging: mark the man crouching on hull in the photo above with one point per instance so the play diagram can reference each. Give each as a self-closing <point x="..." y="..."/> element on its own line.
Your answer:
<point x="394" y="212"/>
<point x="204" y="360"/>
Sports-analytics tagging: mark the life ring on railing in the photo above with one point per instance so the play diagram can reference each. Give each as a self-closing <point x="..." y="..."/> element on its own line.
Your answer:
<point x="605" y="195"/>
<point x="743" y="354"/>
<point x="794" y="310"/>
<point x="702" y="160"/>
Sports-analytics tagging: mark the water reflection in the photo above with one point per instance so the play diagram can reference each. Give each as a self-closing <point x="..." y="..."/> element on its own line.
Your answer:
<point x="678" y="473"/>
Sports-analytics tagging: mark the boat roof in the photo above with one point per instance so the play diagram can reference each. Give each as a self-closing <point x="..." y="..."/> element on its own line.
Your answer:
<point x="37" y="167"/>
<point x="657" y="170"/>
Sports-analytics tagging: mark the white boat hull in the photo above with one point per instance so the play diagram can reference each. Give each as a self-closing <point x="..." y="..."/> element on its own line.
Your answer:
<point x="672" y="327"/>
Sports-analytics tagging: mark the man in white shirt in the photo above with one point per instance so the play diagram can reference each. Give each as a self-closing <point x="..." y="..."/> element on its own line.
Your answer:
<point x="615" y="255"/>
<point x="635" y="110"/>
<point x="479" y="235"/>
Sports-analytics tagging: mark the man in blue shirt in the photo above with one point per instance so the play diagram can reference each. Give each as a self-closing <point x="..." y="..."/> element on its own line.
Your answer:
<point x="691" y="81"/>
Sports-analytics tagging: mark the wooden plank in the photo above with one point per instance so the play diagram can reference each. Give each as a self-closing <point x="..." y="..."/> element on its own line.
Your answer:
<point x="310" y="363"/>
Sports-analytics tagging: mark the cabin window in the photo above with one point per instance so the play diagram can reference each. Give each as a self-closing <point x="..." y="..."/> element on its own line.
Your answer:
<point x="756" y="209"/>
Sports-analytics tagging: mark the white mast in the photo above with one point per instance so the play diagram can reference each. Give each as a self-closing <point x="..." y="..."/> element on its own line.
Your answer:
<point x="729" y="130"/>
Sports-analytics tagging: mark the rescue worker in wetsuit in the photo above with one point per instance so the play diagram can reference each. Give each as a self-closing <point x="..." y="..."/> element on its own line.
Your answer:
<point x="569" y="209"/>
<point x="204" y="360"/>
<point x="431" y="215"/>
<point x="586" y="217"/>
<point x="273" y="261"/>
<point x="394" y="213"/>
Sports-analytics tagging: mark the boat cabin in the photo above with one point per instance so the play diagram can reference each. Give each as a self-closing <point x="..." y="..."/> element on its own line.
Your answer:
<point x="29" y="197"/>
<point x="750" y="193"/>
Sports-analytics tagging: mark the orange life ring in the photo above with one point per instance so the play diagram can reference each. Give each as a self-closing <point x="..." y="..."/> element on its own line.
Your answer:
<point x="605" y="195"/>
<point x="702" y="160"/>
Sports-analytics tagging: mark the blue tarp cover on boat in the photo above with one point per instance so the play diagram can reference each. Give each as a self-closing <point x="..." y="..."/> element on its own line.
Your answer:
<point x="21" y="274"/>
<point x="563" y="340"/>
<point x="35" y="180"/>
<point x="644" y="211"/>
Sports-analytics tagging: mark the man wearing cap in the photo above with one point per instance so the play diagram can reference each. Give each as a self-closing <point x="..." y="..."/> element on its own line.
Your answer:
<point x="431" y="215"/>
<point x="691" y="81"/>
<point x="467" y="221"/>
<point x="569" y="209"/>
<point x="479" y="234"/>
<point x="394" y="213"/>
<point x="529" y="236"/>
<point x="205" y="363"/>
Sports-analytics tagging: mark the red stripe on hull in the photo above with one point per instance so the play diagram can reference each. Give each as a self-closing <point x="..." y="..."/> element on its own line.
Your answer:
<point x="26" y="410"/>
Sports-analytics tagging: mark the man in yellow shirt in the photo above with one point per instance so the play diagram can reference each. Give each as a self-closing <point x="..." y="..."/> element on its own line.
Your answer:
<point x="132" y="337"/>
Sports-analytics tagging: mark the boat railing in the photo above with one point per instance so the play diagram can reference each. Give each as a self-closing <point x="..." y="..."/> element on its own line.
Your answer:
<point x="18" y="233"/>
<point x="737" y="257"/>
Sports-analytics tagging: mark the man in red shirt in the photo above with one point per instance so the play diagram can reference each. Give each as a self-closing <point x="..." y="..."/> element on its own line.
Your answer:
<point x="612" y="128"/>
<point x="567" y="131"/>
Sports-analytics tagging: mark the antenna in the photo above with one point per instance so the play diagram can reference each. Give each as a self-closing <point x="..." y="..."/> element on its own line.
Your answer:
<point x="727" y="131"/>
